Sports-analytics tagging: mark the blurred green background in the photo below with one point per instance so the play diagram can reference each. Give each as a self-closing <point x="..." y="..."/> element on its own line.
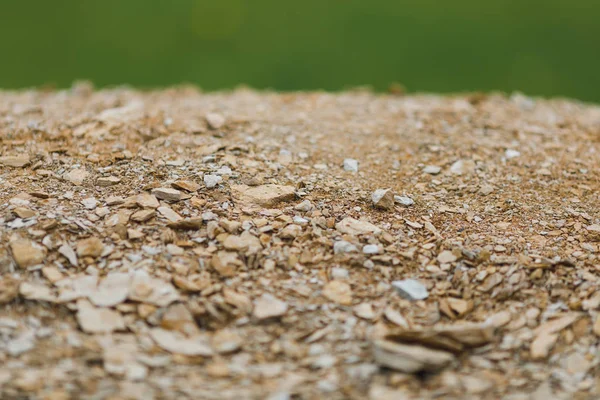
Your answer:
<point x="540" y="47"/>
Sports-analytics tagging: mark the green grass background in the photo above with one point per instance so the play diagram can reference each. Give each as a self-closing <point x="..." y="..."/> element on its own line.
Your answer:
<point x="540" y="47"/>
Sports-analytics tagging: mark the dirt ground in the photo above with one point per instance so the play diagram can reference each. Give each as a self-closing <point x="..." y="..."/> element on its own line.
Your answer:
<point x="180" y="245"/>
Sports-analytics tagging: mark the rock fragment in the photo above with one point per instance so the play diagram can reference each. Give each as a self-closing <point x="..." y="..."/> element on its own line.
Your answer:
<point x="446" y="257"/>
<point x="342" y="247"/>
<point x="77" y="176"/>
<point x="215" y="120"/>
<point x="404" y="200"/>
<point x="147" y="200"/>
<point x="411" y="289"/>
<point x="69" y="254"/>
<point x="268" y="306"/>
<point x="167" y="194"/>
<point x="108" y="181"/>
<point x="19" y="161"/>
<point x="9" y="289"/>
<point x="410" y="359"/>
<point x="264" y="195"/>
<point x="226" y="263"/>
<point x="143" y="215"/>
<point x="350" y="165"/>
<point x="432" y="169"/>
<point x="212" y="181"/>
<point x="112" y="290"/>
<point x="98" y="320"/>
<point x="383" y="199"/>
<point x="27" y="253"/>
<point x="91" y="247"/>
<point x="176" y="342"/>
<point x="188" y="186"/>
<point x="338" y="292"/>
<point x="351" y="226"/>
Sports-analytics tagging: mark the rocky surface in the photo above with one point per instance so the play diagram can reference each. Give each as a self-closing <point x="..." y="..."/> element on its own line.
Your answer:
<point x="173" y="244"/>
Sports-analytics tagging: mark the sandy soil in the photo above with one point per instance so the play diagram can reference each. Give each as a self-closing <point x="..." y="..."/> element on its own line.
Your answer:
<point x="174" y="244"/>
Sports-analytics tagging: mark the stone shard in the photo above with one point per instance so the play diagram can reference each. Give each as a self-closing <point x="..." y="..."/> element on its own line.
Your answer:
<point x="215" y="120"/>
<point x="264" y="195"/>
<point x="19" y="161"/>
<point x="167" y="194"/>
<point x="146" y="289"/>
<point x="410" y="359"/>
<point x="77" y="176"/>
<point x="69" y="254"/>
<point x="27" y="253"/>
<point x="268" y="306"/>
<point x="351" y="226"/>
<point x="338" y="292"/>
<point x="383" y="199"/>
<point x="98" y="320"/>
<point x="411" y="289"/>
<point x="176" y="342"/>
<point x="91" y="247"/>
<point x="112" y="290"/>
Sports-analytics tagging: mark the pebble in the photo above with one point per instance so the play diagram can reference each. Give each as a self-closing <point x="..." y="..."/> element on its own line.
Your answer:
<point x="90" y="203"/>
<point x="188" y="186"/>
<point x="77" y="176"/>
<point x="462" y="167"/>
<point x="364" y="311"/>
<point x="371" y="249"/>
<point x="305" y="206"/>
<point x="98" y="320"/>
<point x="169" y="214"/>
<point x="383" y="199"/>
<point x="264" y="195"/>
<point x="338" y="273"/>
<point x="15" y="161"/>
<point x="147" y="200"/>
<point x="405" y="201"/>
<point x="143" y="215"/>
<point x="446" y="257"/>
<point x="351" y="165"/>
<point x="176" y="342"/>
<point x="342" y="246"/>
<point x="351" y="226"/>
<point x="108" y="181"/>
<point x="91" y="247"/>
<point x="338" y="292"/>
<point x="167" y="194"/>
<point x="410" y="289"/>
<point x="27" y="253"/>
<point x="510" y="153"/>
<point x="432" y="169"/>
<point x="215" y="120"/>
<point x="212" y="181"/>
<point x="268" y="306"/>
<point x="69" y="254"/>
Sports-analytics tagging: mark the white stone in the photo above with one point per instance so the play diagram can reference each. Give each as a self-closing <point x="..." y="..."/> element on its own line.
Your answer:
<point x="404" y="200"/>
<point x="212" y="180"/>
<point x="371" y="249"/>
<point x="339" y="274"/>
<point x="176" y="342"/>
<point x="305" y="206"/>
<point x="268" y="306"/>
<point x="342" y="246"/>
<point x="90" y="203"/>
<point x="510" y="153"/>
<point x="432" y="169"/>
<point x="411" y="289"/>
<point x="351" y="165"/>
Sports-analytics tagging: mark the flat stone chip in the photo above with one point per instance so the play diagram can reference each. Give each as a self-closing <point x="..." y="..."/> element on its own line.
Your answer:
<point x="264" y="195"/>
<point x="175" y="342"/>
